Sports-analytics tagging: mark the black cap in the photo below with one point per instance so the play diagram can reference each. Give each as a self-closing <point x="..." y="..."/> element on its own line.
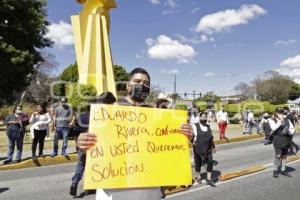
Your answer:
<point x="279" y="110"/>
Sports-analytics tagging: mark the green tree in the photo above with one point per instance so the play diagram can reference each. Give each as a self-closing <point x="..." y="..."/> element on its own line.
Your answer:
<point x="273" y="87"/>
<point x="70" y="74"/>
<point x="23" y="26"/>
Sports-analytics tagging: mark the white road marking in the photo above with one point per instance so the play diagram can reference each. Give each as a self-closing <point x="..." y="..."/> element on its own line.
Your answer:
<point x="223" y="182"/>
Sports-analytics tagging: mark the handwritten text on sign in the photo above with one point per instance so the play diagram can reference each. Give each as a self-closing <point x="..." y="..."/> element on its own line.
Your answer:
<point x="137" y="147"/>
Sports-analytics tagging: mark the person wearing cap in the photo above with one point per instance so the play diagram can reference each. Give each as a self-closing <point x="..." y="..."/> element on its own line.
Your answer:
<point x="282" y="129"/>
<point x="63" y="120"/>
<point x="138" y="89"/>
<point x="162" y="101"/>
<point x="265" y="124"/>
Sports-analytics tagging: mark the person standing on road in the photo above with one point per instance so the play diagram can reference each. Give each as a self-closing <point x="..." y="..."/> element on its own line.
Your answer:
<point x="292" y="117"/>
<point x="245" y="121"/>
<point x="138" y="88"/>
<point x="16" y="123"/>
<point x="64" y="119"/>
<point x="222" y="120"/>
<point x="282" y="129"/>
<point x="203" y="148"/>
<point x="40" y="124"/>
<point x="81" y="126"/>
<point x="265" y="124"/>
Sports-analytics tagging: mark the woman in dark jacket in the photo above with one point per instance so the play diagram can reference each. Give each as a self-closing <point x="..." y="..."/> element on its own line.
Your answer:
<point x="15" y="134"/>
<point x="203" y="148"/>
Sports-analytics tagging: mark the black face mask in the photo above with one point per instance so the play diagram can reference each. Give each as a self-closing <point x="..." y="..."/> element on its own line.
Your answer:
<point x="203" y="121"/>
<point x="139" y="92"/>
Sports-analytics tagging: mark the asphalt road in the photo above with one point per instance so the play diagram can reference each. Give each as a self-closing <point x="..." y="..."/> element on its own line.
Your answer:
<point x="53" y="182"/>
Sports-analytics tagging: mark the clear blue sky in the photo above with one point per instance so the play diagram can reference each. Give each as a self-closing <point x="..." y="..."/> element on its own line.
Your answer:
<point x="199" y="40"/>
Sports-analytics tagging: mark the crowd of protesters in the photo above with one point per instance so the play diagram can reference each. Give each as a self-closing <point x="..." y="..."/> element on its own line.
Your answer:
<point x="62" y="118"/>
<point x="279" y="129"/>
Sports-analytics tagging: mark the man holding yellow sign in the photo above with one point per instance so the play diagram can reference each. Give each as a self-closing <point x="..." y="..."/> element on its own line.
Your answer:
<point x="135" y="148"/>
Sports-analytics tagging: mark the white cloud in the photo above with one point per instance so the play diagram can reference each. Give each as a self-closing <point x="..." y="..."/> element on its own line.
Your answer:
<point x="155" y="2"/>
<point x="292" y="62"/>
<point x="171" y="3"/>
<point x="195" y="40"/>
<point x="290" y="67"/>
<point x="224" y="20"/>
<point x="172" y="71"/>
<point x="164" y="48"/>
<point x="167" y="3"/>
<point x="209" y="74"/>
<point x="284" y="42"/>
<point x="194" y="10"/>
<point x="61" y="33"/>
<point x="297" y="80"/>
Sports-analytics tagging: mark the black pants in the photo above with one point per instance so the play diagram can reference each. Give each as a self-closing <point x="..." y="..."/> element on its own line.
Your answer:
<point x="39" y="137"/>
<point x="198" y="159"/>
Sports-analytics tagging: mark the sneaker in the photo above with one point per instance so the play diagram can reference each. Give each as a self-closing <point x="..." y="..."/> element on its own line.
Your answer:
<point x="19" y="160"/>
<point x="65" y="154"/>
<point x="89" y="192"/>
<point x="5" y="162"/>
<point x="275" y="174"/>
<point x="34" y="157"/>
<point x="286" y="174"/>
<point x="54" y="154"/>
<point x="73" y="190"/>
<point x="211" y="183"/>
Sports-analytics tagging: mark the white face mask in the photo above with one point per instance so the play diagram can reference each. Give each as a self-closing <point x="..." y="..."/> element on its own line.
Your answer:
<point x="18" y="112"/>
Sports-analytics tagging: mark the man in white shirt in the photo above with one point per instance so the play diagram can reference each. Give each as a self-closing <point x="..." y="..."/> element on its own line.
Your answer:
<point x="222" y="120"/>
<point x="252" y="123"/>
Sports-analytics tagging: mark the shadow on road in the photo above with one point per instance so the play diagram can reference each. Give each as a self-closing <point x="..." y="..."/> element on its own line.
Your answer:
<point x="2" y="158"/>
<point x="290" y="169"/>
<point x="3" y="189"/>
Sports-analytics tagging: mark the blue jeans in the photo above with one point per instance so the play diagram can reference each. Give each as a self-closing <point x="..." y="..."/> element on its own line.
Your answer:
<point x="12" y="142"/>
<point x="79" y="168"/>
<point x="61" y="132"/>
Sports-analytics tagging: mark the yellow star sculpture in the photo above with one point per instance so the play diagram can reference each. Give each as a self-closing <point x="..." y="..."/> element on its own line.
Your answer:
<point x="91" y="38"/>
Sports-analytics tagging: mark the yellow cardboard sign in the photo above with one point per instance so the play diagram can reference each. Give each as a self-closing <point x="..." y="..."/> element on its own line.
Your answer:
<point x="137" y="147"/>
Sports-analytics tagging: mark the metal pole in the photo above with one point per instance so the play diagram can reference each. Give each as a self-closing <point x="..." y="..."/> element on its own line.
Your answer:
<point x="174" y="96"/>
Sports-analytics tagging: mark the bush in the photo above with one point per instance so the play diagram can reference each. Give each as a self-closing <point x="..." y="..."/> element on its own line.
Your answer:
<point x="181" y="107"/>
<point x="202" y="105"/>
<point x="27" y="108"/>
<point x="79" y="96"/>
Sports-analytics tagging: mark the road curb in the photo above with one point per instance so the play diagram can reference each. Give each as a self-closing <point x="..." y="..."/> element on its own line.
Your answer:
<point x="250" y="170"/>
<point x="39" y="162"/>
<point x="238" y="139"/>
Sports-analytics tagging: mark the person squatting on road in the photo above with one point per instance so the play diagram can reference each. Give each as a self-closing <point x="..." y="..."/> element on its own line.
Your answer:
<point x="40" y="121"/>
<point x="283" y="130"/>
<point x="252" y="123"/>
<point x="16" y="124"/>
<point x="81" y="126"/>
<point x="203" y="146"/>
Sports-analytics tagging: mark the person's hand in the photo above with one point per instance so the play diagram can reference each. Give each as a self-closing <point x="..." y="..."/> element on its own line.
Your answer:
<point x="186" y="130"/>
<point x="86" y="141"/>
<point x="215" y="150"/>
